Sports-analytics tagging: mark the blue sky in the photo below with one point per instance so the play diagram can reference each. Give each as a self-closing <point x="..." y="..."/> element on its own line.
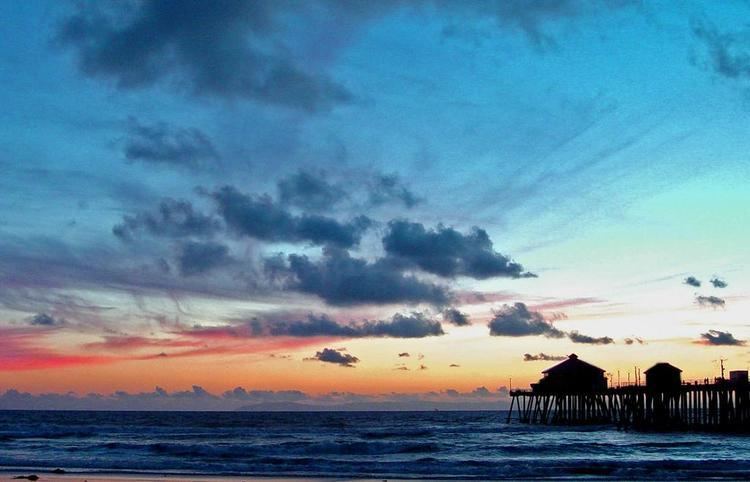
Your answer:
<point x="600" y="145"/>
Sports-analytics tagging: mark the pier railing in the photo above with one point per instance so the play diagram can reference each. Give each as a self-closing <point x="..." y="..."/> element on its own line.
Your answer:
<point x="721" y="405"/>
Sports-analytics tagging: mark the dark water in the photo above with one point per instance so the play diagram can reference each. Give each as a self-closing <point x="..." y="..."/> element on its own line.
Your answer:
<point x="381" y="445"/>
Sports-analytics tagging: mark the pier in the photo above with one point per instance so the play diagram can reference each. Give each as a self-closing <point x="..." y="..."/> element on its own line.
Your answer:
<point x="573" y="393"/>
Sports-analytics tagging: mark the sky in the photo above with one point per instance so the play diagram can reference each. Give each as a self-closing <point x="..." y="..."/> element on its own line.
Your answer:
<point x="215" y="205"/>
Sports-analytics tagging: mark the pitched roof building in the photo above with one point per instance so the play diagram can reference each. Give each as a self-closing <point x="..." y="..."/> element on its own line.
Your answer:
<point x="663" y="377"/>
<point x="572" y="375"/>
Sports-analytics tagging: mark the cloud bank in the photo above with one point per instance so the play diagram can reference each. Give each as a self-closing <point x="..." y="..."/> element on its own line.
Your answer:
<point x="239" y="398"/>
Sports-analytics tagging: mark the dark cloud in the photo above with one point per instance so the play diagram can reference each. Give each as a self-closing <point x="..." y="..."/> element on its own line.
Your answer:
<point x="161" y="143"/>
<point x="320" y="325"/>
<point x="423" y="367"/>
<point x="718" y="282"/>
<point x="454" y="365"/>
<point x="448" y="253"/>
<point x="692" y="281"/>
<point x="223" y="48"/>
<point x="517" y="320"/>
<point x="576" y="337"/>
<point x="340" y="279"/>
<point x="388" y="188"/>
<point x="527" y="357"/>
<point x="414" y="325"/>
<point x="201" y="257"/>
<point x="403" y="354"/>
<point x="722" y="338"/>
<point x="309" y="191"/>
<point x="454" y="316"/>
<point x="713" y="301"/>
<point x="233" y="49"/>
<point x="338" y="357"/>
<point x="631" y="341"/>
<point x="44" y="319"/>
<point x="259" y="217"/>
<point x="174" y="218"/>
<point x="728" y="53"/>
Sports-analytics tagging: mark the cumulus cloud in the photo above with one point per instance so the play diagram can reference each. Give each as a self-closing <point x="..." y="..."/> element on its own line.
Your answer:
<point x="446" y="252"/>
<point x="44" y="319"/>
<point x="160" y="143"/>
<point x="518" y="320"/>
<point x="576" y="337"/>
<point x="720" y="338"/>
<point x="222" y="49"/>
<point x="388" y="188"/>
<point x="713" y="301"/>
<point x="718" y="282"/>
<point x="455" y="317"/>
<point x="261" y="218"/>
<point x="258" y="396"/>
<point x="340" y="279"/>
<point x="201" y="257"/>
<point x="337" y="357"/>
<point x="173" y="218"/>
<point x="309" y="191"/>
<point x="527" y="357"/>
<point x="692" y="281"/>
<point x="481" y="392"/>
<point x="413" y="325"/>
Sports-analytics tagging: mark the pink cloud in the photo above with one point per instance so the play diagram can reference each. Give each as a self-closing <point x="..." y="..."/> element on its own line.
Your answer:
<point x="21" y="350"/>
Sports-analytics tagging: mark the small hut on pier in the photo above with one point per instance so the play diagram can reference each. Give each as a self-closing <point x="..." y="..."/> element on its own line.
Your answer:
<point x="738" y="377"/>
<point x="572" y="375"/>
<point x="663" y="377"/>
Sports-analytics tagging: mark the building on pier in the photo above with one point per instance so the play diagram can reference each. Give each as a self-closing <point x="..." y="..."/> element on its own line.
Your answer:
<point x="738" y="377"/>
<point x="663" y="377"/>
<point x="572" y="375"/>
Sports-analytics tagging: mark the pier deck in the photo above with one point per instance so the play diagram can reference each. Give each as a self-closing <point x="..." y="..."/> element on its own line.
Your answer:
<point x="720" y="406"/>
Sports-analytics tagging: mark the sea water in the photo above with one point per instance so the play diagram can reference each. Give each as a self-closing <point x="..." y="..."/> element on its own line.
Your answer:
<point x="464" y="445"/>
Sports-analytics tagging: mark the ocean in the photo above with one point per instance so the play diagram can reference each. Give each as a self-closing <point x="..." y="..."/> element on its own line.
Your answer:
<point x="461" y="445"/>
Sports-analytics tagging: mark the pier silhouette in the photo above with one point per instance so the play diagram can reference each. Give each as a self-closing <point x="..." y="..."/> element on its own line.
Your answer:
<point x="575" y="392"/>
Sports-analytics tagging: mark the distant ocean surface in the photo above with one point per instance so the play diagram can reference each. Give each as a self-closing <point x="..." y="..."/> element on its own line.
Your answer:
<point x="465" y="445"/>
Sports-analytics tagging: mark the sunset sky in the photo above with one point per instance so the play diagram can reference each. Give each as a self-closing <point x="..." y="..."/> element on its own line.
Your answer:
<point x="329" y="200"/>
